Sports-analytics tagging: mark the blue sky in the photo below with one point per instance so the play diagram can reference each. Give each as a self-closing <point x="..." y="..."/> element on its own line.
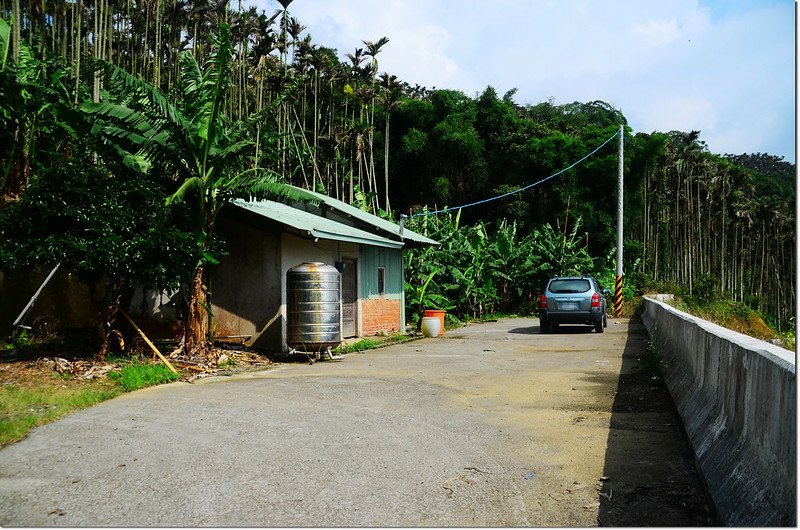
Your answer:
<point x="723" y="67"/>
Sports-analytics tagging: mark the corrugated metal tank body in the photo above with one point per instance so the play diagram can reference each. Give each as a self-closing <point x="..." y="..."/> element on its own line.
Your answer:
<point x="313" y="308"/>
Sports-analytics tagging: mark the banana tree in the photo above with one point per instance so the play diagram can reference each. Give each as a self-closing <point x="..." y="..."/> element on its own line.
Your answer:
<point x="191" y="141"/>
<point x="562" y="254"/>
<point x="419" y="298"/>
<point x="517" y="266"/>
<point x="472" y="271"/>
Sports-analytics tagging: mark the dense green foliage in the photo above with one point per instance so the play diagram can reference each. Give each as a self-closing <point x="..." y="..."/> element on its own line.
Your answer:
<point x="454" y="150"/>
<point x="269" y="101"/>
<point x="479" y="270"/>
<point x="98" y="225"/>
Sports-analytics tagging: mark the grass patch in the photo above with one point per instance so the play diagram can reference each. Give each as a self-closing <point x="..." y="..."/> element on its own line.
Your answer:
<point x="363" y="344"/>
<point x="729" y="314"/>
<point x="137" y="375"/>
<point x="372" y="343"/>
<point x="34" y="396"/>
<point x="22" y="409"/>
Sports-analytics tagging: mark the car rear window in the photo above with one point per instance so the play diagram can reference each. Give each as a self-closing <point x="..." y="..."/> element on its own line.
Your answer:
<point x="570" y="286"/>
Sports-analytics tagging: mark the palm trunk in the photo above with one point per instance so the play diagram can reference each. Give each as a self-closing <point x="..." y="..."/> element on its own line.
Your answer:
<point x="16" y="35"/>
<point x="316" y="132"/>
<point x="97" y="46"/>
<point x="78" y="11"/>
<point x="157" y="48"/>
<point x="146" y="46"/>
<point x="723" y="257"/>
<point x="386" y="162"/>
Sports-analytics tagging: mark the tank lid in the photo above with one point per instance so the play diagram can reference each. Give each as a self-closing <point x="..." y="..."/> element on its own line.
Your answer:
<point x="314" y="266"/>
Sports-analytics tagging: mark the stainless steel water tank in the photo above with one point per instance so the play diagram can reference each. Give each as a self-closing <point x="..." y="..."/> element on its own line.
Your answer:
<point x="313" y="308"/>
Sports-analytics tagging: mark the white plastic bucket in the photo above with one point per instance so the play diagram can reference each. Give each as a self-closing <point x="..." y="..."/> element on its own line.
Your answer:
<point x="431" y="326"/>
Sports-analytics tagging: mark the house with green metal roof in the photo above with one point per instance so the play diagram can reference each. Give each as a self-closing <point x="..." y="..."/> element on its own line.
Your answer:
<point x="265" y="239"/>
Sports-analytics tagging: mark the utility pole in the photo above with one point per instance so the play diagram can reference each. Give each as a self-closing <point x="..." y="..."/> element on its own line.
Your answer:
<point x="618" y="283"/>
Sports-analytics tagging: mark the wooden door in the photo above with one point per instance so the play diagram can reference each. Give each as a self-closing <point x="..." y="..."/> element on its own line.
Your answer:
<point x="349" y="298"/>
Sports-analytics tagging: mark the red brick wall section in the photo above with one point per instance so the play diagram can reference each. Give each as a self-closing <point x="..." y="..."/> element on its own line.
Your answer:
<point x="379" y="315"/>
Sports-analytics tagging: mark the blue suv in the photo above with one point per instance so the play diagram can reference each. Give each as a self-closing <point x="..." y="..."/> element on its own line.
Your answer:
<point x="573" y="300"/>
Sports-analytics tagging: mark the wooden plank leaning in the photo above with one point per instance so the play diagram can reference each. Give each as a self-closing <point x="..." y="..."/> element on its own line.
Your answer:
<point x="152" y="346"/>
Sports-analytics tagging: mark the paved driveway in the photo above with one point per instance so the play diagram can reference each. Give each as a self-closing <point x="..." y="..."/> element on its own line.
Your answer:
<point x="492" y="425"/>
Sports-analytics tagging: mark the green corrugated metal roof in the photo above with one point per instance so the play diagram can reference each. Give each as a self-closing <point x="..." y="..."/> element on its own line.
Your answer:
<point x="388" y="227"/>
<point x="313" y="224"/>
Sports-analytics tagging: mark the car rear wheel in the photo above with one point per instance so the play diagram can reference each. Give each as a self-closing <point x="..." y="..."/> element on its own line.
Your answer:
<point x="598" y="326"/>
<point x="544" y="325"/>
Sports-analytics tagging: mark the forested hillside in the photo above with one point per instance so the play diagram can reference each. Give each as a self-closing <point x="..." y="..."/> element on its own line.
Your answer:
<point x="293" y="109"/>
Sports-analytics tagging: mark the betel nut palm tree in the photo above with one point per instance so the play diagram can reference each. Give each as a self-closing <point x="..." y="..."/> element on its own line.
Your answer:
<point x="192" y="141"/>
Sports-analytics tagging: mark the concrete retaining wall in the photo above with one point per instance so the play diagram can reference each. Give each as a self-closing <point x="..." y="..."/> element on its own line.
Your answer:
<point x="736" y="396"/>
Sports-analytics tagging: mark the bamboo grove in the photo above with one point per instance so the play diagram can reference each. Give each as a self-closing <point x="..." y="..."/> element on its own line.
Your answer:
<point x="695" y="221"/>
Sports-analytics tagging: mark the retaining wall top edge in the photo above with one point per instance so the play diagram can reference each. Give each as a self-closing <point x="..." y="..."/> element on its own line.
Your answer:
<point x="776" y="353"/>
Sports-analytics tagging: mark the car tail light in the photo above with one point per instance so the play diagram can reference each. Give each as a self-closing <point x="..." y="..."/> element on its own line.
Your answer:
<point x="543" y="302"/>
<point x="595" y="300"/>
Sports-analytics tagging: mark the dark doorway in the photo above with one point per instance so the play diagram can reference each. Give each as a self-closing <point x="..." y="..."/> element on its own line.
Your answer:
<point x="349" y="298"/>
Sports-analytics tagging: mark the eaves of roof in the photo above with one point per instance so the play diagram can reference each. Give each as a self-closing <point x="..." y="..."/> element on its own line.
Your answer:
<point x="314" y="225"/>
<point x="392" y="230"/>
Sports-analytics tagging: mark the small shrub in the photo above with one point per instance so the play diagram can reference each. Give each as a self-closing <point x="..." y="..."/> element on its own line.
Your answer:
<point x="20" y="341"/>
<point x="705" y="288"/>
<point x="135" y="376"/>
<point x="653" y="359"/>
<point x="789" y="336"/>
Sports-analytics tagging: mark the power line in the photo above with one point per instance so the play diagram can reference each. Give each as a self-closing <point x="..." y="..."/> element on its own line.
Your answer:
<point x="521" y="189"/>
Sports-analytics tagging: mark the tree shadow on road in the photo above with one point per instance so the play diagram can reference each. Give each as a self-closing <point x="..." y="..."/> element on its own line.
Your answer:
<point x="649" y="476"/>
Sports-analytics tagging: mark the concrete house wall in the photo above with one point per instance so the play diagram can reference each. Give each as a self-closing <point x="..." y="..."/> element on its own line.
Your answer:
<point x="248" y="287"/>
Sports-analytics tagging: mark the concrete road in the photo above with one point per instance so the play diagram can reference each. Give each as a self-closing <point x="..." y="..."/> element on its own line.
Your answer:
<point x="492" y="425"/>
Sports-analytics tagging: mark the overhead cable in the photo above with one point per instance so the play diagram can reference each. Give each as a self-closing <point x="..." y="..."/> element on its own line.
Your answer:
<point x="520" y="189"/>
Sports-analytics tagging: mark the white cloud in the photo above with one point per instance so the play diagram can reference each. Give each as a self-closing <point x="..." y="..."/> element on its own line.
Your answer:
<point x="417" y="51"/>
<point x="657" y="32"/>
<point x="681" y="113"/>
